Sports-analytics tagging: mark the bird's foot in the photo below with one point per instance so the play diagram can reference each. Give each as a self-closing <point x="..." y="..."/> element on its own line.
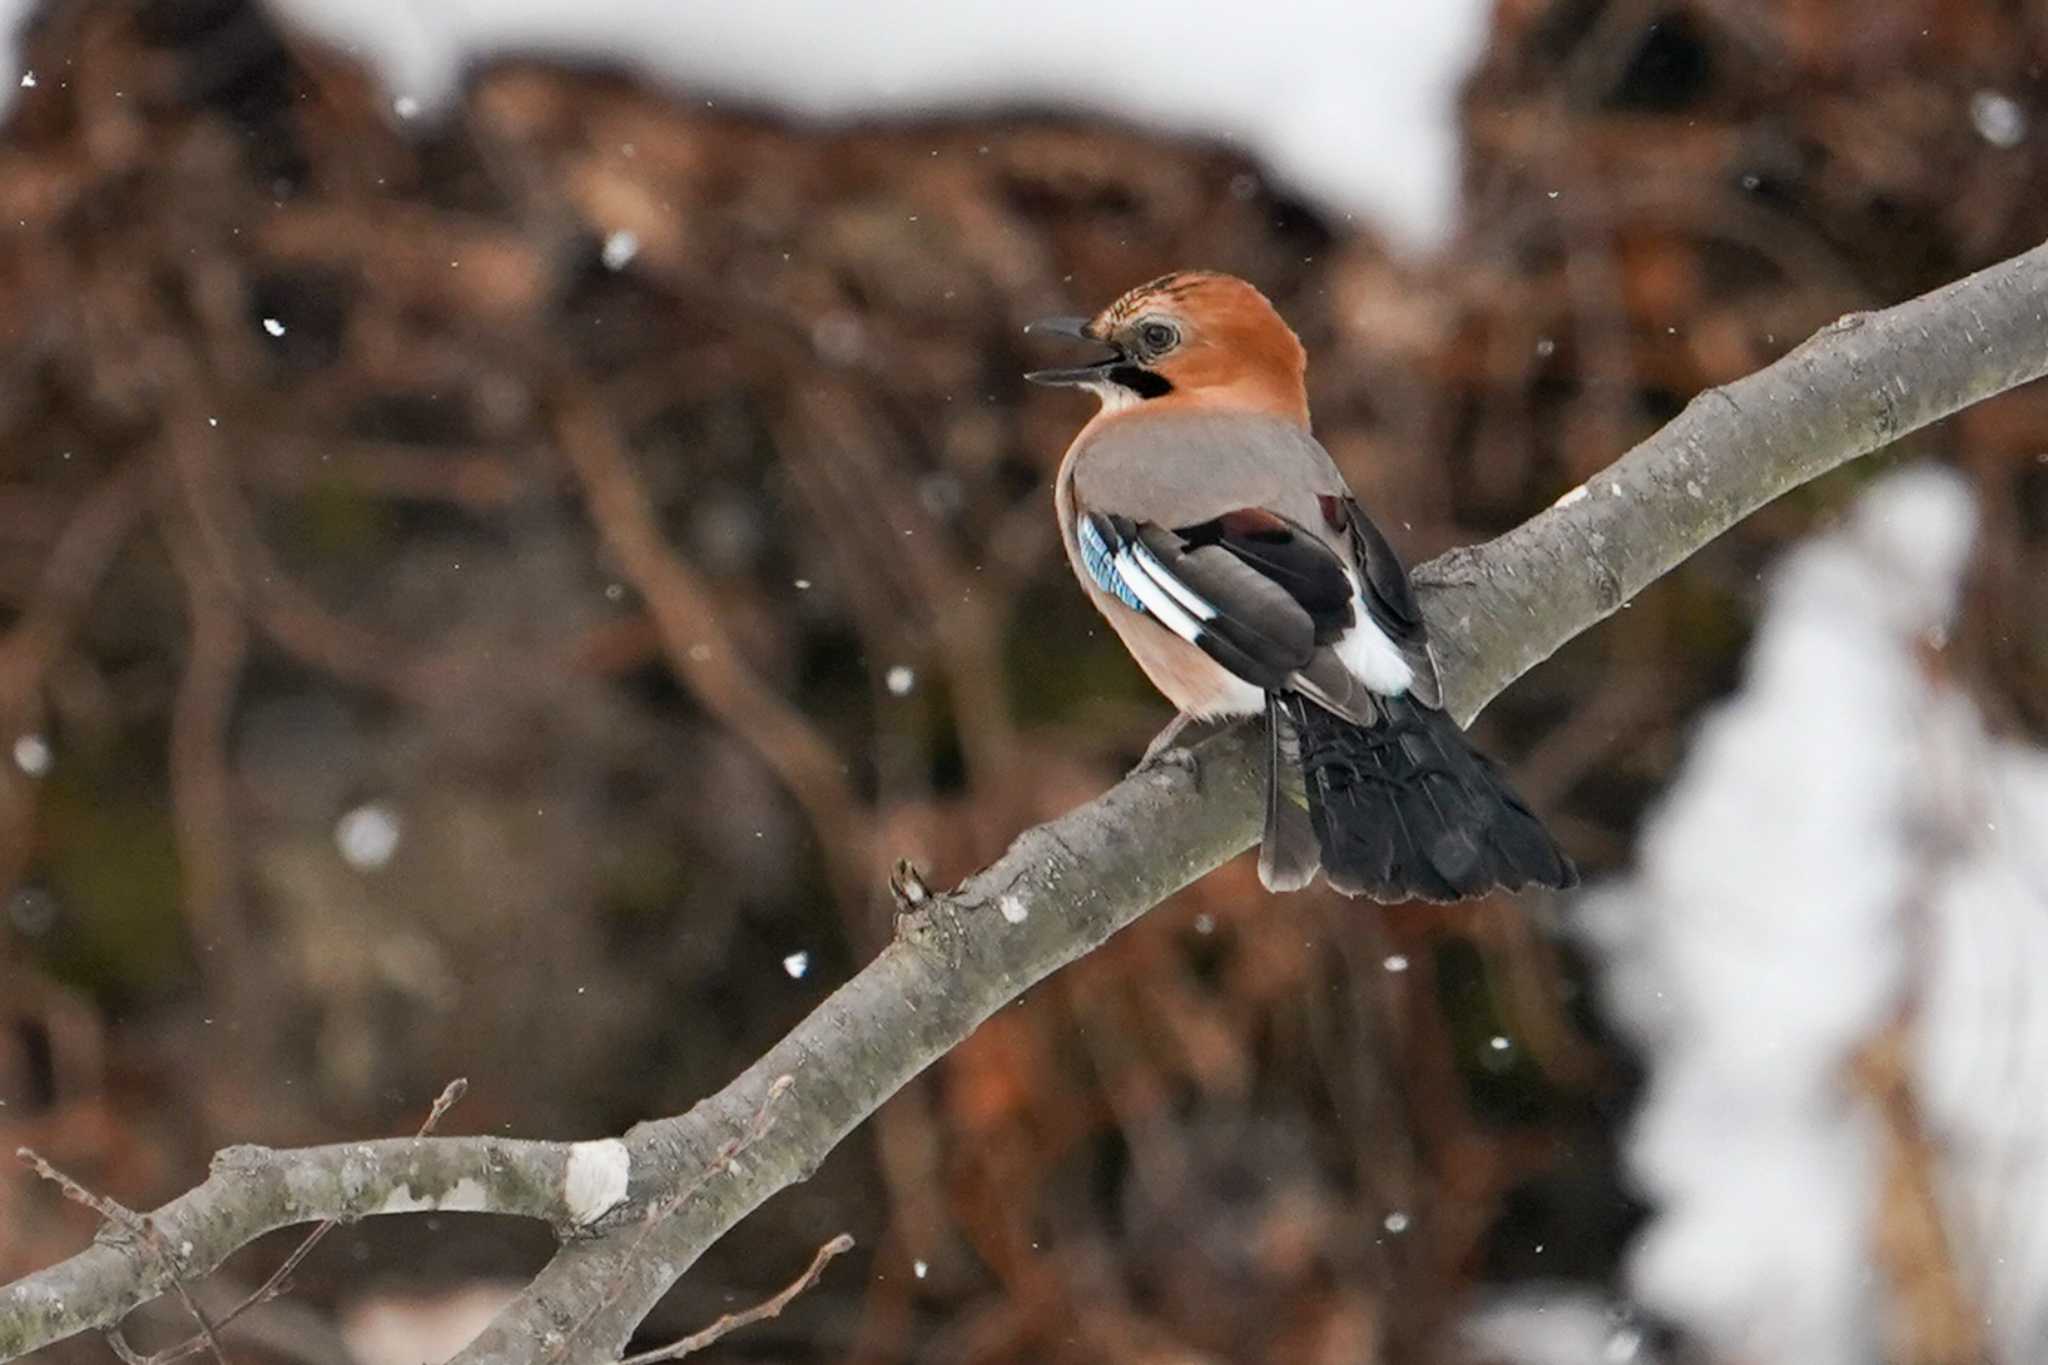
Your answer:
<point x="1164" y="753"/>
<point x="1177" y="758"/>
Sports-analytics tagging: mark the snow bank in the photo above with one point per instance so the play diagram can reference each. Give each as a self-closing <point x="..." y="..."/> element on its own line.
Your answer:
<point x="1845" y="854"/>
<point x="1350" y="105"/>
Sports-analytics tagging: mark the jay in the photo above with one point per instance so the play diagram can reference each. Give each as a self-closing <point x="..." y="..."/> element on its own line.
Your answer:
<point x="1220" y="541"/>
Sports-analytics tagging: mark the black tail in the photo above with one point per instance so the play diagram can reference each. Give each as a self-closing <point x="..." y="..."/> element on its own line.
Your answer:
<point x="1408" y="809"/>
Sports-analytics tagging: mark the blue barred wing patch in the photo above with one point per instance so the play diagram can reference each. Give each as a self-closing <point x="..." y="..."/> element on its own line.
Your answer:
<point x="1100" y="560"/>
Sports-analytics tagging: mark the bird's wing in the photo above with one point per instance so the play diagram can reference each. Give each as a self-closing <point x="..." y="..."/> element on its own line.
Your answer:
<point x="1255" y="592"/>
<point x="1388" y="598"/>
<point x="1244" y="517"/>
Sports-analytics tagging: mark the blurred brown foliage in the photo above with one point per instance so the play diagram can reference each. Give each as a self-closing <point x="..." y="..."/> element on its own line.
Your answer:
<point x="659" y="596"/>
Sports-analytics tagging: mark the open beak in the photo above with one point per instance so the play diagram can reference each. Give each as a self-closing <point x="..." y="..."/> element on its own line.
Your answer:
<point x="1076" y="328"/>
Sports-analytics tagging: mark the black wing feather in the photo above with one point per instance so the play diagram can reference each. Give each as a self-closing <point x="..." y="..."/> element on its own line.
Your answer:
<point x="1300" y="563"/>
<point x="1388" y="595"/>
<point x="1259" y="632"/>
<point x="1273" y="593"/>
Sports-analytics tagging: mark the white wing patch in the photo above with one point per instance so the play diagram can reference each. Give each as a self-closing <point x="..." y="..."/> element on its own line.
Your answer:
<point x="1165" y="578"/>
<point x="1162" y="595"/>
<point x="1369" y="655"/>
<point x="1134" y="574"/>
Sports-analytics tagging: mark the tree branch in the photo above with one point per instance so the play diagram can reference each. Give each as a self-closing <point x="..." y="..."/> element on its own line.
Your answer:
<point x="254" y="1190"/>
<point x="1064" y="887"/>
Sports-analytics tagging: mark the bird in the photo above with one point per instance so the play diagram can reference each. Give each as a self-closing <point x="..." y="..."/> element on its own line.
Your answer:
<point x="1218" y="537"/>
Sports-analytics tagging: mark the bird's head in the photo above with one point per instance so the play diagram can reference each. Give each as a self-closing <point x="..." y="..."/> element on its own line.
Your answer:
<point x="1191" y="338"/>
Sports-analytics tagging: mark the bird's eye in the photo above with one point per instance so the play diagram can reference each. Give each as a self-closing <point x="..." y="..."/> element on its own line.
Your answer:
<point x="1158" y="337"/>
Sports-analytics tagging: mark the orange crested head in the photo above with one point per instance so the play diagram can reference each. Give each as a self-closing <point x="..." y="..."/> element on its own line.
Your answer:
<point x="1193" y="338"/>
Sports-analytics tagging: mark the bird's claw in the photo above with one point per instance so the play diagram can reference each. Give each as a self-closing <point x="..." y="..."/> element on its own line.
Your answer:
<point x="1169" y="758"/>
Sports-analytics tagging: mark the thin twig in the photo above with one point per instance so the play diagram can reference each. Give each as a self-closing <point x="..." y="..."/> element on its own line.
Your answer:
<point x="207" y="1336"/>
<point x="760" y="1312"/>
<point x="450" y="1096"/>
<point x="700" y="649"/>
<point x="76" y="562"/>
<point x="202" y="791"/>
<point x="137" y="1226"/>
<point x="274" y="1287"/>
<point x="120" y="1215"/>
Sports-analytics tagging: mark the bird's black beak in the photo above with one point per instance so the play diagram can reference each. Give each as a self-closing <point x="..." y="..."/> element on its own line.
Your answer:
<point x="1076" y="328"/>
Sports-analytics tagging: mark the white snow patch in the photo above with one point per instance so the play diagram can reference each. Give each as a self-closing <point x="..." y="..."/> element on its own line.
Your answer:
<point x="1820" y="872"/>
<point x="1554" y="1326"/>
<point x="1571" y="496"/>
<point x="403" y="1200"/>
<point x="596" y="1179"/>
<point x="1013" y="908"/>
<point x="468" y="1196"/>
<point x="1353" y="106"/>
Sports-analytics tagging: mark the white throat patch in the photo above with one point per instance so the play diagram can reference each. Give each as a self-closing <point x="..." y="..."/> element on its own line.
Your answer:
<point x="1115" y="397"/>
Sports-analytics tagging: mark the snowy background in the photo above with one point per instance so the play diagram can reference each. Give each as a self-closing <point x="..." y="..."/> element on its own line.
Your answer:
<point x="1351" y="105"/>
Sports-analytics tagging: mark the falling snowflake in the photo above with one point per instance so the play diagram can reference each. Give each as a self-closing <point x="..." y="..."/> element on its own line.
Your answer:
<point x="32" y="755"/>
<point x="796" y="964"/>
<point x="367" y="836"/>
<point x="619" y="249"/>
<point x="1998" y="118"/>
<point x="273" y="326"/>
<point x="901" y="679"/>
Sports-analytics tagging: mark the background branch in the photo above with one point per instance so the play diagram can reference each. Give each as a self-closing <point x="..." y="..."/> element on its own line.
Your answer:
<point x="1066" y="886"/>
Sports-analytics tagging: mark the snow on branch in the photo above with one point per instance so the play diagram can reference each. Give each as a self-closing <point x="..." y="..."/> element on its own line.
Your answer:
<point x="1062" y="888"/>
